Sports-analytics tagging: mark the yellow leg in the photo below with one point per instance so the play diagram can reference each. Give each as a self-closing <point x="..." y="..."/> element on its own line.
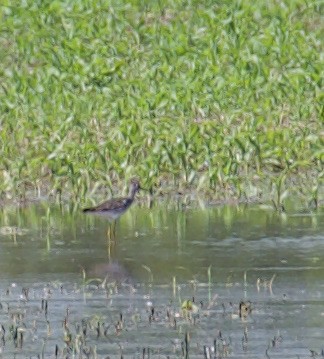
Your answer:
<point x="111" y="232"/>
<point x="114" y="229"/>
<point x="111" y="235"/>
<point x="109" y="244"/>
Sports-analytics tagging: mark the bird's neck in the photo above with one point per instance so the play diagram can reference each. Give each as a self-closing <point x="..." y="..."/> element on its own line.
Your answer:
<point x="132" y="192"/>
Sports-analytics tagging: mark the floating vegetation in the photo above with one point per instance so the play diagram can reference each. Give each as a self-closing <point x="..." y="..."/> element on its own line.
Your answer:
<point x="223" y="100"/>
<point x="190" y="310"/>
<point x="245" y="309"/>
<point x="57" y="320"/>
<point x="265" y="283"/>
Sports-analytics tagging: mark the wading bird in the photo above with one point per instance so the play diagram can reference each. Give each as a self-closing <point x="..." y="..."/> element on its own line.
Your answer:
<point x="115" y="207"/>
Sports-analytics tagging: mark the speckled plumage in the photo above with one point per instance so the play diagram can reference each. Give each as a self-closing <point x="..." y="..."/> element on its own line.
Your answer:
<point x="115" y="207"/>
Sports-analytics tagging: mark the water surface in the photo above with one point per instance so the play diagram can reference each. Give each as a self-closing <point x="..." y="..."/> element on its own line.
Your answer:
<point x="53" y="263"/>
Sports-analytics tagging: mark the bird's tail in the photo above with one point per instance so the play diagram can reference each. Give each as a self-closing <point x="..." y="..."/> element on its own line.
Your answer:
<point x="88" y="210"/>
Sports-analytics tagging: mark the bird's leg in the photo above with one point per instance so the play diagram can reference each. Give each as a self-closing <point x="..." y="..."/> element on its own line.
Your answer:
<point x="110" y="240"/>
<point x="114" y="229"/>
<point x="109" y="247"/>
<point x="109" y="232"/>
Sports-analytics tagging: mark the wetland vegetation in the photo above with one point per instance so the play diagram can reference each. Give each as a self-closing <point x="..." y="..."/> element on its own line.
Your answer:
<point x="223" y="282"/>
<point x="219" y="98"/>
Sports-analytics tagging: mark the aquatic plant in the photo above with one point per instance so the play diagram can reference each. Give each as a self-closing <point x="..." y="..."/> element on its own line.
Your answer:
<point x="224" y="98"/>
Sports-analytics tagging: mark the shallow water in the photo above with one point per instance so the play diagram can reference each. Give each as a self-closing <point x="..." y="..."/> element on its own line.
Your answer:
<point x="53" y="264"/>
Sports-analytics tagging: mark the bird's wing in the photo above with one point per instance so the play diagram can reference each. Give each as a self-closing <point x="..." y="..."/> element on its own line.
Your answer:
<point x="110" y="205"/>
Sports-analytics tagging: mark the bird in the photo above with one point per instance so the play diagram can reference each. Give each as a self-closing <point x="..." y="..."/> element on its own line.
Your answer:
<point x="115" y="207"/>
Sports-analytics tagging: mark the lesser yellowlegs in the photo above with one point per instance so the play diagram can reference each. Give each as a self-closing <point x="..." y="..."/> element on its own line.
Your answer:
<point x="115" y="207"/>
